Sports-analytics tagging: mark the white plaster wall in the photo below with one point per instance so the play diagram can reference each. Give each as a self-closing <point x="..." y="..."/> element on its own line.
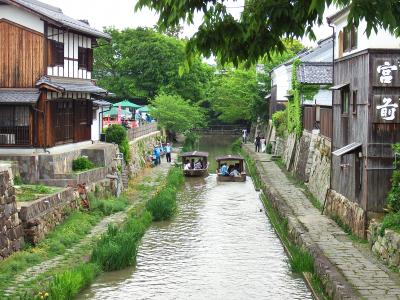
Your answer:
<point x="381" y="40"/>
<point x="71" y="43"/>
<point x="322" y="98"/>
<point x="21" y="17"/>
<point x="95" y="125"/>
<point x="281" y="77"/>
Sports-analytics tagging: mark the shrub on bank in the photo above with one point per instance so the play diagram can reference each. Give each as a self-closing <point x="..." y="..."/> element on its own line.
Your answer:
<point x="117" y="134"/>
<point x="108" y="206"/>
<point x="66" y="285"/>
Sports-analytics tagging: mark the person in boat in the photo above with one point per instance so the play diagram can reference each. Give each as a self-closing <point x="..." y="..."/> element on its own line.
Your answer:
<point x="198" y="165"/>
<point x="192" y="164"/>
<point x="186" y="166"/>
<point x="234" y="173"/>
<point x="224" y="170"/>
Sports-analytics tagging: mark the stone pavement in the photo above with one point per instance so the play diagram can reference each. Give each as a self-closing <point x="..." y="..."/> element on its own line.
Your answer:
<point x="349" y="272"/>
<point x="64" y="259"/>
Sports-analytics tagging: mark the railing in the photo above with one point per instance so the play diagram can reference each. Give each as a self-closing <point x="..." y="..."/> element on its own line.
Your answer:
<point x="14" y="136"/>
<point x="134" y="133"/>
<point x="221" y="129"/>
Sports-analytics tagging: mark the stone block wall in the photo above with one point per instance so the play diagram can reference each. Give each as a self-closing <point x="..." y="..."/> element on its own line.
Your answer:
<point x="140" y="148"/>
<point x="290" y="150"/>
<point x="350" y="213"/>
<point x="301" y="157"/>
<point x="386" y="246"/>
<point x="11" y="231"/>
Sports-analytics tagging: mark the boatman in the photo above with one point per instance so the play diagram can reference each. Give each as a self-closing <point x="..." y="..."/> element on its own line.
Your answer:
<point x="168" y="150"/>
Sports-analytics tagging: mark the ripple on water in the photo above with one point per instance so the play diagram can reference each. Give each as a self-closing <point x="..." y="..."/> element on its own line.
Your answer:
<point x="219" y="246"/>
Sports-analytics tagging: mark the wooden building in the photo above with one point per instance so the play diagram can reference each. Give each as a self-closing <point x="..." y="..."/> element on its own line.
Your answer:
<point x="46" y="86"/>
<point x="366" y="114"/>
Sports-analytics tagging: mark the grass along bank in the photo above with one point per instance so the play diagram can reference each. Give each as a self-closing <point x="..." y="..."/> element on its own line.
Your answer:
<point x="300" y="260"/>
<point x="63" y="237"/>
<point x="117" y="248"/>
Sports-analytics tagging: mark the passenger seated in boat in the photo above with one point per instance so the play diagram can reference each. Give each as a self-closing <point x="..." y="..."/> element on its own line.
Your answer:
<point x="186" y="166"/>
<point x="234" y="173"/>
<point x="224" y="170"/>
<point x="192" y="164"/>
<point x="198" y="165"/>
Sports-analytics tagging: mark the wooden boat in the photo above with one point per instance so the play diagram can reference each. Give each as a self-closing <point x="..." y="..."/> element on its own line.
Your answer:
<point x="231" y="160"/>
<point x="192" y="158"/>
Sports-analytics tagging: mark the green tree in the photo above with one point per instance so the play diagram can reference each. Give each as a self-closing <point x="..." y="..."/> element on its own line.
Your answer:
<point x="176" y="114"/>
<point x="143" y="62"/>
<point x="234" y="95"/>
<point x="264" y="23"/>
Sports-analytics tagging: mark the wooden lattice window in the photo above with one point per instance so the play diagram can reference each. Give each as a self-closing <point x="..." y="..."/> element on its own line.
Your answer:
<point x="55" y="53"/>
<point x="85" y="58"/>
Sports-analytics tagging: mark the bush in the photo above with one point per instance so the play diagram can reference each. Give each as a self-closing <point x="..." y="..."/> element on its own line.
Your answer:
<point x="269" y="148"/>
<point x="391" y="221"/>
<point x="393" y="197"/>
<point x="81" y="164"/>
<point x="236" y="146"/>
<point x="116" y="134"/>
<point x="279" y="119"/>
<point x="67" y="285"/>
<point x="163" y="205"/>
<point x="109" y="206"/>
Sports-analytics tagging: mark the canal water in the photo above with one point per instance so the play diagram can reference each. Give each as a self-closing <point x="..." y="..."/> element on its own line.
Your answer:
<point x="220" y="245"/>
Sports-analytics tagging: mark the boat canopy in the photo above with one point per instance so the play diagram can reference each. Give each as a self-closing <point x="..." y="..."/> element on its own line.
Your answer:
<point x="229" y="157"/>
<point x="195" y="154"/>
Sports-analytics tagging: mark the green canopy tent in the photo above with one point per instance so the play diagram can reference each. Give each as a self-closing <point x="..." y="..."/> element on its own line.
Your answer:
<point x="144" y="109"/>
<point x="114" y="112"/>
<point x="126" y="103"/>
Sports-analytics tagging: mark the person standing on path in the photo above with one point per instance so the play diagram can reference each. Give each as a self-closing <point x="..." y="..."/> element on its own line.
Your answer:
<point x="244" y="136"/>
<point x="168" y="150"/>
<point x="157" y="155"/>
<point x="257" y="143"/>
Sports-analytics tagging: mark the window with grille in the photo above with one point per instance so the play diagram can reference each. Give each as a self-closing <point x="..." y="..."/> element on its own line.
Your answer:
<point x="85" y="58"/>
<point x="345" y="101"/>
<point x="349" y="38"/>
<point x="55" y="53"/>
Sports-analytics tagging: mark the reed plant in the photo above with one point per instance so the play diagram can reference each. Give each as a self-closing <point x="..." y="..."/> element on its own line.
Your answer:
<point x="117" y="248"/>
<point x="66" y="285"/>
<point x="108" y="206"/>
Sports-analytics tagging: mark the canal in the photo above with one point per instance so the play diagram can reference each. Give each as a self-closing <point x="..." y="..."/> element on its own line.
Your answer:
<point x="220" y="245"/>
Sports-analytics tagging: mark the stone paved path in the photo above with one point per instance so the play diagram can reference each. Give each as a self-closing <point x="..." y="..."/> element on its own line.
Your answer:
<point x="62" y="260"/>
<point x="368" y="278"/>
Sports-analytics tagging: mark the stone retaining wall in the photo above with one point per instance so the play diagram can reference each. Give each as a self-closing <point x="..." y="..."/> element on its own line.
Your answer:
<point x="11" y="232"/>
<point x="41" y="216"/>
<point x="386" y="246"/>
<point x="350" y="213"/>
<point x="140" y="149"/>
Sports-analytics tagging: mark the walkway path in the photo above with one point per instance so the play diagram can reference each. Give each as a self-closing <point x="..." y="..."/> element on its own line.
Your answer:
<point x="357" y="276"/>
<point x="79" y="251"/>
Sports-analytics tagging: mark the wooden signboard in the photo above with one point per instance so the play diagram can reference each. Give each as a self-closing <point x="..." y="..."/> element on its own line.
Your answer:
<point x="386" y="108"/>
<point x="386" y="71"/>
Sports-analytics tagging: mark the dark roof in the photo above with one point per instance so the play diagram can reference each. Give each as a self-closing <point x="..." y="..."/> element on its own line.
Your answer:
<point x="63" y="84"/>
<point x="55" y="16"/>
<point x="315" y="73"/>
<point x="102" y="103"/>
<point x="195" y="154"/>
<point x="338" y="14"/>
<point x="229" y="157"/>
<point x="339" y="86"/>
<point x="19" y="96"/>
<point x="347" y="149"/>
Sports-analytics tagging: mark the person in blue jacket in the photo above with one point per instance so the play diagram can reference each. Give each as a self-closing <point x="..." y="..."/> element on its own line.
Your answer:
<point x="224" y="170"/>
<point x="157" y="155"/>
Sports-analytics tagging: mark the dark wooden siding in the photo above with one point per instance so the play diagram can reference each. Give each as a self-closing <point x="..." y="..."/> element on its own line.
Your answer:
<point x="21" y="56"/>
<point x="309" y="118"/>
<point x="349" y="128"/>
<point x="325" y="122"/>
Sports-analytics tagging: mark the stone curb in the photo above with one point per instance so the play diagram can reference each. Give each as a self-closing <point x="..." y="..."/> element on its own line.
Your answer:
<point x="336" y="286"/>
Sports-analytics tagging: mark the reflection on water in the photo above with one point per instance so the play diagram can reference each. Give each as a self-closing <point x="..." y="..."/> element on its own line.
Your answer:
<point x="219" y="246"/>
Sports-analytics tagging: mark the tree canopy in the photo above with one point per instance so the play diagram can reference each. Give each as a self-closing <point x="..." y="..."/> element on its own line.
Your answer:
<point x="143" y="62"/>
<point x="264" y="23"/>
<point x="233" y="93"/>
<point x="176" y="114"/>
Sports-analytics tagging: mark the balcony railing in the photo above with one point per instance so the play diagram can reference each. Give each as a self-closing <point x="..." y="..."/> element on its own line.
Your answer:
<point x="134" y="133"/>
<point x="14" y="136"/>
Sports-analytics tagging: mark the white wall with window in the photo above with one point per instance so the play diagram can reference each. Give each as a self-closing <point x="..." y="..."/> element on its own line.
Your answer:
<point x="349" y="40"/>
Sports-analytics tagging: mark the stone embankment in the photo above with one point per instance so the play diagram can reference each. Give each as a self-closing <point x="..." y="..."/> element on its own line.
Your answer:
<point x="345" y="270"/>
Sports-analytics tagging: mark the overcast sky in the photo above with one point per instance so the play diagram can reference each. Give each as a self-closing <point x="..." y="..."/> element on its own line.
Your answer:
<point x="121" y="14"/>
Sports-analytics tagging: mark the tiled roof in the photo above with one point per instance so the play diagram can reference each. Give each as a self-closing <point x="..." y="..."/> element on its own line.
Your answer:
<point x="19" y="96"/>
<point x="63" y="84"/>
<point x="55" y="14"/>
<point x="102" y="103"/>
<point x="315" y="73"/>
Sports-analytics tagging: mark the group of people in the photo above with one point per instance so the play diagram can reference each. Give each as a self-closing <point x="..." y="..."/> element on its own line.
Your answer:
<point x="191" y="165"/>
<point x="260" y="143"/>
<point x="160" y="150"/>
<point x="232" y="170"/>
